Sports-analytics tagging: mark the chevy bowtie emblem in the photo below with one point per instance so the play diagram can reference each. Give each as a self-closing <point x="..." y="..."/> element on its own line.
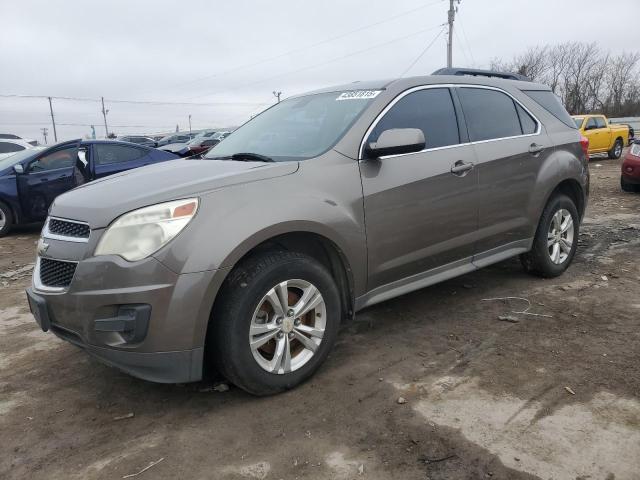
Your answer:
<point x="42" y="247"/>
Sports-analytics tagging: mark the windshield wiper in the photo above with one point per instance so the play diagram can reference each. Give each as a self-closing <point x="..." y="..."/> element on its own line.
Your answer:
<point x="245" y="157"/>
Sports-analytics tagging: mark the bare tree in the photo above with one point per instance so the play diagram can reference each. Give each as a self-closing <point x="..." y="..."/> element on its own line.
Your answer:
<point x="583" y="76"/>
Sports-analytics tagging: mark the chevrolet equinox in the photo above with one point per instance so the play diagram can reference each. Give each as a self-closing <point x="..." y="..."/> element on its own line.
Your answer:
<point x="247" y="259"/>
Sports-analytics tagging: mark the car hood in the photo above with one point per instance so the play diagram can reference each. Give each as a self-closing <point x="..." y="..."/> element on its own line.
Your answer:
<point x="100" y="202"/>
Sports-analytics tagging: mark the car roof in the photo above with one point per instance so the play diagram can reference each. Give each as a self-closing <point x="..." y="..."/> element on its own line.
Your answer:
<point x="17" y="141"/>
<point x="405" y="83"/>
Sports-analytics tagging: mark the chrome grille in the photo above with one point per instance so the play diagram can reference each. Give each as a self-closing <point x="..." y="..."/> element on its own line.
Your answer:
<point x="68" y="229"/>
<point x="56" y="273"/>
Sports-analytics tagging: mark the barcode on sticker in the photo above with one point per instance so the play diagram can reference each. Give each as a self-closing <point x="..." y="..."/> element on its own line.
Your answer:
<point x="358" y="95"/>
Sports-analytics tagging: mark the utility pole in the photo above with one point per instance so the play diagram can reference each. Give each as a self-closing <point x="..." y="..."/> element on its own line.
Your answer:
<point x="277" y="95"/>
<point x="44" y="134"/>
<point x="451" y="18"/>
<point x="53" y="121"/>
<point x="104" y="114"/>
<point x="189" y="124"/>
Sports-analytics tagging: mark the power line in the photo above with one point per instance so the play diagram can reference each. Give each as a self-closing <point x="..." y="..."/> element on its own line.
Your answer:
<point x="462" y="47"/>
<point x="140" y="102"/>
<point x="309" y="67"/>
<point x="422" y="53"/>
<point x="301" y="49"/>
<point x="466" y="39"/>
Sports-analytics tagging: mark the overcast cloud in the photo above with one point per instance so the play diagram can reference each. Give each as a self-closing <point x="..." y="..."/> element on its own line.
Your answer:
<point x="223" y="52"/>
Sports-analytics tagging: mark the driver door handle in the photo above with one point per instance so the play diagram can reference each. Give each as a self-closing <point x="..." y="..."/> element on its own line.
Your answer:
<point x="535" y="148"/>
<point x="460" y="168"/>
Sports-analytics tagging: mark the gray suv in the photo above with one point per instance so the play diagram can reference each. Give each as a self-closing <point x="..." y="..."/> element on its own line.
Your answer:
<point x="247" y="260"/>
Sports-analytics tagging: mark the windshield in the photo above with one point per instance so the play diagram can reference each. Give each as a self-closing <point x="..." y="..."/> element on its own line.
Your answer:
<point x="297" y="128"/>
<point x="578" y="122"/>
<point x="16" y="157"/>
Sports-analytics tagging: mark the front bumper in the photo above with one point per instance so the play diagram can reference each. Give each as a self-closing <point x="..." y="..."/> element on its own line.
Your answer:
<point x="162" y="367"/>
<point x="631" y="169"/>
<point x="152" y="325"/>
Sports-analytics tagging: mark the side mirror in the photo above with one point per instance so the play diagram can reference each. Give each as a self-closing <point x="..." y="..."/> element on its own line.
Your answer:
<point x="396" y="141"/>
<point x="18" y="168"/>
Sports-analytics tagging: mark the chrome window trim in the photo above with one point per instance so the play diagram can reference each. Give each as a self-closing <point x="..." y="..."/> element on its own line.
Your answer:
<point x="46" y="233"/>
<point x="446" y="85"/>
<point x="37" y="283"/>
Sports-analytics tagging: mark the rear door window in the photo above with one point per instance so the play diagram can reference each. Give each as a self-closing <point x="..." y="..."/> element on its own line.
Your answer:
<point x="489" y="114"/>
<point x="600" y="123"/>
<point x="108" y="153"/>
<point x="431" y="110"/>
<point x="591" y="124"/>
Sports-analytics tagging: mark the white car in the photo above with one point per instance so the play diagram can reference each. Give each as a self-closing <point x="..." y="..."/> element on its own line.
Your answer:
<point x="10" y="146"/>
<point x="11" y="136"/>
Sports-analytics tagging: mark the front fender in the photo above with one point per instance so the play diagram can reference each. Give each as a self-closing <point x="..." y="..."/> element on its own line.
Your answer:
<point x="233" y="220"/>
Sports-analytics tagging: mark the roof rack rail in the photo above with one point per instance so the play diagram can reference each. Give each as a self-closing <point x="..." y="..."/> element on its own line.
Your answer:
<point x="481" y="73"/>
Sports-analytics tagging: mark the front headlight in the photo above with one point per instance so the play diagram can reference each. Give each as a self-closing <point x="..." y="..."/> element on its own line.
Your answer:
<point x="138" y="234"/>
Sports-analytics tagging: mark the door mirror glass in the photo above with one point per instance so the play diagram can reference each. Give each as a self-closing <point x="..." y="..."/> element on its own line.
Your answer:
<point x="18" y="168"/>
<point x="396" y="141"/>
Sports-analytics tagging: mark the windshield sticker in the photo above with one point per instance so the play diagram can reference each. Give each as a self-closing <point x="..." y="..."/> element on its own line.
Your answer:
<point x="358" y="95"/>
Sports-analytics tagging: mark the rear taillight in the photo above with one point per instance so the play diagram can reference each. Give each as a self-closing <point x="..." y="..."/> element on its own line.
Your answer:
<point x="584" y="143"/>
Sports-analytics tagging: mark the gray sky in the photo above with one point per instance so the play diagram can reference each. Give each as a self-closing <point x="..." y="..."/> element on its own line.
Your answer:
<point x="231" y="55"/>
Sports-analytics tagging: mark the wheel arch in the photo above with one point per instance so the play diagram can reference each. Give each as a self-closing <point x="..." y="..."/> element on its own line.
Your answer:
<point x="574" y="190"/>
<point x="310" y="242"/>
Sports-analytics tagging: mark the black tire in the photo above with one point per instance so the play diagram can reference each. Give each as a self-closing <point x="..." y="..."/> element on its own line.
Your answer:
<point x="616" y="151"/>
<point x="7" y="214"/>
<point x="628" y="187"/>
<point x="233" y="313"/>
<point x="538" y="261"/>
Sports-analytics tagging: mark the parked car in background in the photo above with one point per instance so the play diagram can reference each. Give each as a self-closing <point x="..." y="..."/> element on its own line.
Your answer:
<point x="630" y="176"/>
<point x="30" y="180"/>
<point x="197" y="146"/>
<point x="10" y="146"/>
<point x="248" y="260"/>
<point x="175" y="138"/>
<point x="603" y="137"/>
<point x="138" y="140"/>
<point x="11" y="136"/>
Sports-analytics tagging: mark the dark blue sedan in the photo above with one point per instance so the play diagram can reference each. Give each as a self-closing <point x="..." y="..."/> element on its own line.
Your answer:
<point x="31" y="179"/>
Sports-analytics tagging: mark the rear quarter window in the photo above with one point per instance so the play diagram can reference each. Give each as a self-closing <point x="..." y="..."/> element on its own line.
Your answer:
<point x="552" y="104"/>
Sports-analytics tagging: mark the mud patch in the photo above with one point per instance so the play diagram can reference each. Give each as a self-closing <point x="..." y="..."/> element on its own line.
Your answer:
<point x="592" y="440"/>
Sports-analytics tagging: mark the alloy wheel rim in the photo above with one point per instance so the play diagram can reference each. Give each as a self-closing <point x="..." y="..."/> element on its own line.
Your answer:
<point x="560" y="236"/>
<point x="287" y="326"/>
<point x="3" y="220"/>
<point x="618" y="151"/>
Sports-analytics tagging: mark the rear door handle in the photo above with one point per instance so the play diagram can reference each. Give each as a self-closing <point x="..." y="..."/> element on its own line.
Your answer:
<point x="535" y="148"/>
<point x="460" y="168"/>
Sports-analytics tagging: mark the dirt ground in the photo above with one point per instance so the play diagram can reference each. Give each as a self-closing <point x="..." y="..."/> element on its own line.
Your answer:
<point x="551" y="396"/>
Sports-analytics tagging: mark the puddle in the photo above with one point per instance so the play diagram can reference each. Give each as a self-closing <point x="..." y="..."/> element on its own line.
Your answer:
<point x="592" y="440"/>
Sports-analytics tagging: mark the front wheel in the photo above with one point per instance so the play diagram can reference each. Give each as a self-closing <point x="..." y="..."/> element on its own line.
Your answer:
<point x="556" y="239"/>
<point x="616" y="150"/>
<point x="275" y="323"/>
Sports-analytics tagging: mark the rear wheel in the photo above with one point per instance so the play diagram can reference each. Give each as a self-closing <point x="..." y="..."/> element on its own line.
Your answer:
<point x="556" y="240"/>
<point x="275" y="323"/>
<point x="6" y="219"/>
<point x="616" y="150"/>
